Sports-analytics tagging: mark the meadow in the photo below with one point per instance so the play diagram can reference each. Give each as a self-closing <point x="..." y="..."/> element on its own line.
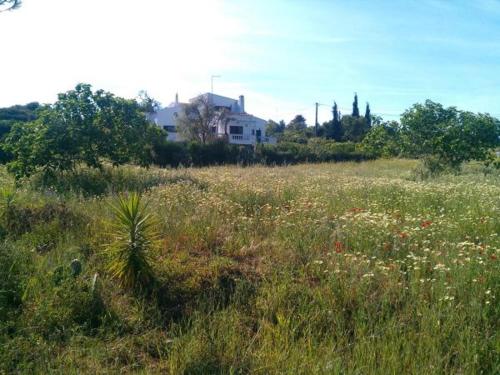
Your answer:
<point x="335" y="268"/>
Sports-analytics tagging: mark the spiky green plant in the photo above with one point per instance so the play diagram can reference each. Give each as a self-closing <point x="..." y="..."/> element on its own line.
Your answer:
<point x="133" y="233"/>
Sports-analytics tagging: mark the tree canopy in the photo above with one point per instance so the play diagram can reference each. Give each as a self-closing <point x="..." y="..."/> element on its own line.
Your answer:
<point x="447" y="135"/>
<point x="82" y="127"/>
<point x="298" y="123"/>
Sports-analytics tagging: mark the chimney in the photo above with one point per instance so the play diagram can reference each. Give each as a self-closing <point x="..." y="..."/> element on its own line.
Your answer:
<point x="176" y="98"/>
<point x="242" y="103"/>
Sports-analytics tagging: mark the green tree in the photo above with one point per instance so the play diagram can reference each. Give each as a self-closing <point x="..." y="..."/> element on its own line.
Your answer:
<point x="12" y="115"/>
<point x="368" y="116"/>
<point x="298" y="123"/>
<point x="274" y="128"/>
<point x="333" y="129"/>
<point x="353" y="128"/>
<point x="355" y="108"/>
<point x="382" y="140"/>
<point x="447" y="137"/>
<point x="82" y="127"/>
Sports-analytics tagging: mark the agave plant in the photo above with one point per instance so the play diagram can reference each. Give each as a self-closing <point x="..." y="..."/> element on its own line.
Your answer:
<point x="133" y="233"/>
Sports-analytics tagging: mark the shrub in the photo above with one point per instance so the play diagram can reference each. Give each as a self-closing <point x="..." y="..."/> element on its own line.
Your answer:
<point x="133" y="235"/>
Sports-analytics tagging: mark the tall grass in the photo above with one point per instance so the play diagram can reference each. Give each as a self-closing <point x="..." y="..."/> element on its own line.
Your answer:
<point x="312" y="269"/>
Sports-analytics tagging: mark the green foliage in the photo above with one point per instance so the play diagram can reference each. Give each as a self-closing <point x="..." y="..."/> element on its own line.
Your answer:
<point x="82" y="127"/>
<point x="96" y="182"/>
<point x="382" y="140"/>
<point x="275" y="129"/>
<point x="355" y="108"/>
<point x="292" y="135"/>
<point x="447" y="136"/>
<point x="133" y="232"/>
<point x="317" y="150"/>
<point x="298" y="123"/>
<point x="69" y="305"/>
<point x="147" y="103"/>
<point x="303" y="269"/>
<point x="14" y="272"/>
<point x="354" y="128"/>
<point x="12" y="115"/>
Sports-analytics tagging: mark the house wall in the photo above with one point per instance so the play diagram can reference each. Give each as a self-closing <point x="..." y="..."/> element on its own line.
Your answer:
<point x="166" y="119"/>
<point x="250" y="125"/>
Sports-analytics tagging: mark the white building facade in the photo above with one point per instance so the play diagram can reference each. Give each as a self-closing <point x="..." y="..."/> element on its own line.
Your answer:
<point x="242" y="128"/>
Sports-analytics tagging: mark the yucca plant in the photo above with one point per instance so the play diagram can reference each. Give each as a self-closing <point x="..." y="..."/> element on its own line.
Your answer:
<point x="133" y="238"/>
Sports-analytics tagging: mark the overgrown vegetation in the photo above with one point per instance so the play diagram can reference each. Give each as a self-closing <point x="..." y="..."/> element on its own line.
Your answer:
<point x="133" y="235"/>
<point x="326" y="268"/>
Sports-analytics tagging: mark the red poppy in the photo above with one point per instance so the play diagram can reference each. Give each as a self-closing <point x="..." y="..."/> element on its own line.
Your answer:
<point x="403" y="235"/>
<point x="424" y="224"/>
<point x="339" y="247"/>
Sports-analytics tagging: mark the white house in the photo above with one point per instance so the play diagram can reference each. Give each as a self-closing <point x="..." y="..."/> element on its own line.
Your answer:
<point x="243" y="128"/>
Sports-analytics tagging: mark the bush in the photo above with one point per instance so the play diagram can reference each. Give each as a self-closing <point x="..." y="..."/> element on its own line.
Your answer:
<point x="133" y="237"/>
<point x="317" y="150"/>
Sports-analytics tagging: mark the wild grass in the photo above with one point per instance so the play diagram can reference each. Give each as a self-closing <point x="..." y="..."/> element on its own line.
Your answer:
<point x="347" y="268"/>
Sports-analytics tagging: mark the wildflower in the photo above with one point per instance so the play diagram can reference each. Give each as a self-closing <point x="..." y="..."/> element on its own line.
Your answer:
<point x="424" y="224"/>
<point x="339" y="247"/>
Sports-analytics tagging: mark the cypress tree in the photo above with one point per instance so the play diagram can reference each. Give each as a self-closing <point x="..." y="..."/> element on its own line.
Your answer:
<point x="355" y="109"/>
<point x="368" y="117"/>
<point x="336" y="132"/>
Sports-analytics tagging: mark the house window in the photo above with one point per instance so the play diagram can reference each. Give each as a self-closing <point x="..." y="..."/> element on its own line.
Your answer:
<point x="170" y="128"/>
<point x="236" y="129"/>
<point x="253" y="131"/>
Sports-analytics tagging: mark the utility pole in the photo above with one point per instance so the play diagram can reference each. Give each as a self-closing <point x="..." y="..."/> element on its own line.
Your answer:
<point x="316" y="122"/>
<point x="212" y="82"/>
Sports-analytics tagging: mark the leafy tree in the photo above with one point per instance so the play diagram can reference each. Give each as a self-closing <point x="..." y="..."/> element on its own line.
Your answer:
<point x="447" y="137"/>
<point x="9" y="5"/>
<point x="298" y="123"/>
<point x="354" y="128"/>
<point x="382" y="140"/>
<point x="297" y="136"/>
<point x="82" y="127"/>
<point x="355" y="108"/>
<point x="197" y="121"/>
<point x="11" y="115"/>
<point x="274" y="128"/>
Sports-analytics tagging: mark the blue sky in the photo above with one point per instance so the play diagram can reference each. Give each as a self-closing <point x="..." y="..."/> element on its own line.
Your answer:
<point x="282" y="55"/>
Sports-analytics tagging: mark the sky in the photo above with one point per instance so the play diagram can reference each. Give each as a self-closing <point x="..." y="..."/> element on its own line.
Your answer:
<point x="283" y="55"/>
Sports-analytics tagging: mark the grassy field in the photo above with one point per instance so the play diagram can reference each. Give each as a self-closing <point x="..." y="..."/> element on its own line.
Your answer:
<point x="311" y="269"/>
